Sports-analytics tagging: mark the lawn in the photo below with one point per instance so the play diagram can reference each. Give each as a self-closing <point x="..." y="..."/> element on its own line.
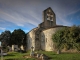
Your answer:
<point x="63" y="56"/>
<point x="16" y="56"/>
<point x="52" y="55"/>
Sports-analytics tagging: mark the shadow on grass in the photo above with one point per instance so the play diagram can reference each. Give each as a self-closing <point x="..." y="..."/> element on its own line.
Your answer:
<point x="11" y="59"/>
<point x="10" y="55"/>
<point x="21" y="59"/>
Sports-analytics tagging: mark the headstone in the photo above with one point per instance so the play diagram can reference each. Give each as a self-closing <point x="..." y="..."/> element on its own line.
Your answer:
<point x="22" y="48"/>
<point x="43" y="57"/>
<point x="0" y="43"/>
<point x="58" y="52"/>
<point x="10" y="49"/>
<point x="32" y="52"/>
<point x="14" y="47"/>
<point x="1" y="52"/>
<point x="38" y="56"/>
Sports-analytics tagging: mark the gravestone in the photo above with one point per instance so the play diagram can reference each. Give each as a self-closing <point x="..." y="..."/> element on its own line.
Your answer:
<point x="38" y="55"/>
<point x="32" y="52"/>
<point x="15" y="48"/>
<point x="22" y="48"/>
<point x="43" y="57"/>
<point x="10" y="48"/>
<point x="58" y="52"/>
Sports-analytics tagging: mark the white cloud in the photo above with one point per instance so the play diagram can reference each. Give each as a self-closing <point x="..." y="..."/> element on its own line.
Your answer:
<point x="26" y="30"/>
<point x="13" y="17"/>
<point x="1" y="28"/>
<point x="23" y="12"/>
<point x="19" y="17"/>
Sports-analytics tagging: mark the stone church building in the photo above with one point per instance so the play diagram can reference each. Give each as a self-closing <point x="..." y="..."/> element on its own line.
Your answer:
<point x="41" y="37"/>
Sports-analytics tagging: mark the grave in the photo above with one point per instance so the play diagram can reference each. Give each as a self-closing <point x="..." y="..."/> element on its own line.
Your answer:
<point x="22" y="48"/>
<point x="15" y="48"/>
<point x="32" y="52"/>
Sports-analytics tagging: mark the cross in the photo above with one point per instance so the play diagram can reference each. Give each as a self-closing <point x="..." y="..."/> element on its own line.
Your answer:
<point x="32" y="48"/>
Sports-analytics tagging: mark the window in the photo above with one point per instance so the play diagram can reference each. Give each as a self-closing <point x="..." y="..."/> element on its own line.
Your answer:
<point x="48" y="18"/>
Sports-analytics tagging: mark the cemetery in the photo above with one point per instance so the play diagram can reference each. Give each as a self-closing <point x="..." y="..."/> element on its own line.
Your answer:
<point x="48" y="41"/>
<point x="39" y="55"/>
<point x="51" y="56"/>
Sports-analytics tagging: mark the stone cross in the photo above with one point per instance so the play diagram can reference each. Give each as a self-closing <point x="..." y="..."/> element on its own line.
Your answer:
<point x="32" y="48"/>
<point x="32" y="52"/>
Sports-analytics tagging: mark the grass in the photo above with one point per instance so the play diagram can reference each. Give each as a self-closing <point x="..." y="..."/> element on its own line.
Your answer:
<point x="70" y="56"/>
<point x="16" y="56"/>
<point x="63" y="56"/>
<point x="52" y="55"/>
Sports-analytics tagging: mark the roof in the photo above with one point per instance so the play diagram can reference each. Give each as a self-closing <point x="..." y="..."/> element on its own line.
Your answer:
<point x="48" y="9"/>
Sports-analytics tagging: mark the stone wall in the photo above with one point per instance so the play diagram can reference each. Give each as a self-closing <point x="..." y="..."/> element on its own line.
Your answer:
<point x="41" y="37"/>
<point x="31" y="39"/>
<point x="46" y="39"/>
<point x="49" y="18"/>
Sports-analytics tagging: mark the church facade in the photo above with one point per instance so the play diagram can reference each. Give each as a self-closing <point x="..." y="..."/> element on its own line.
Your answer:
<point x="41" y="37"/>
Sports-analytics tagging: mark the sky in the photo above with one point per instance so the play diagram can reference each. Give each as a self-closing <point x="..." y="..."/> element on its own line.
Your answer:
<point x="27" y="14"/>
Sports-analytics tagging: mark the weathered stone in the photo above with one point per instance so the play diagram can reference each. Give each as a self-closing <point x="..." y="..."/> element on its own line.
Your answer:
<point x="38" y="56"/>
<point x="43" y="57"/>
<point x="15" y="48"/>
<point x="32" y="52"/>
<point x="41" y="37"/>
<point x="10" y="48"/>
<point x="22" y="48"/>
<point x="58" y="52"/>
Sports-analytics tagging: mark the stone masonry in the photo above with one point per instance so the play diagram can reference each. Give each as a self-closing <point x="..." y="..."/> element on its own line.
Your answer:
<point x="41" y="37"/>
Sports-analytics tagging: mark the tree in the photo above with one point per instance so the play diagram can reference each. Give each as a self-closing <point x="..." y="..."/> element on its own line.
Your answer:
<point x="58" y="38"/>
<point x="68" y="38"/>
<point x="5" y="38"/>
<point x="74" y="37"/>
<point x="18" y="37"/>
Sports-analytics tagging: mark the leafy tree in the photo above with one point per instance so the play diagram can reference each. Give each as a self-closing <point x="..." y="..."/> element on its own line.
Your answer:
<point x="5" y="38"/>
<point x="58" y="38"/>
<point x="18" y="37"/>
<point x="74" y="37"/>
<point x="65" y="37"/>
<point x="68" y="37"/>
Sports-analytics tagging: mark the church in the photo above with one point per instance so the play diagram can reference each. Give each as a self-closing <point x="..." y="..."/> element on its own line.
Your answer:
<point x="41" y="37"/>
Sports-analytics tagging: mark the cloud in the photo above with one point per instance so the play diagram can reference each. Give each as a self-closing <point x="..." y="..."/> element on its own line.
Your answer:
<point x="62" y="20"/>
<point x="2" y="28"/>
<point x="27" y="13"/>
<point x="73" y="12"/>
<point x="17" y="18"/>
<point x="13" y="17"/>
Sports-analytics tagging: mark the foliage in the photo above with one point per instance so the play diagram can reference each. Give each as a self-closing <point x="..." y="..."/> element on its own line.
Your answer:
<point x="68" y="37"/>
<point x="18" y="37"/>
<point x="57" y="38"/>
<point x="5" y="38"/>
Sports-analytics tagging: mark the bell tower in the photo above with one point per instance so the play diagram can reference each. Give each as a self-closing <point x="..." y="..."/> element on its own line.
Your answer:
<point x="49" y="18"/>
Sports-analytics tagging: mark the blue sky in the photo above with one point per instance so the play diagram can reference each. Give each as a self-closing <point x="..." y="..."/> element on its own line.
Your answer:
<point x="27" y="14"/>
